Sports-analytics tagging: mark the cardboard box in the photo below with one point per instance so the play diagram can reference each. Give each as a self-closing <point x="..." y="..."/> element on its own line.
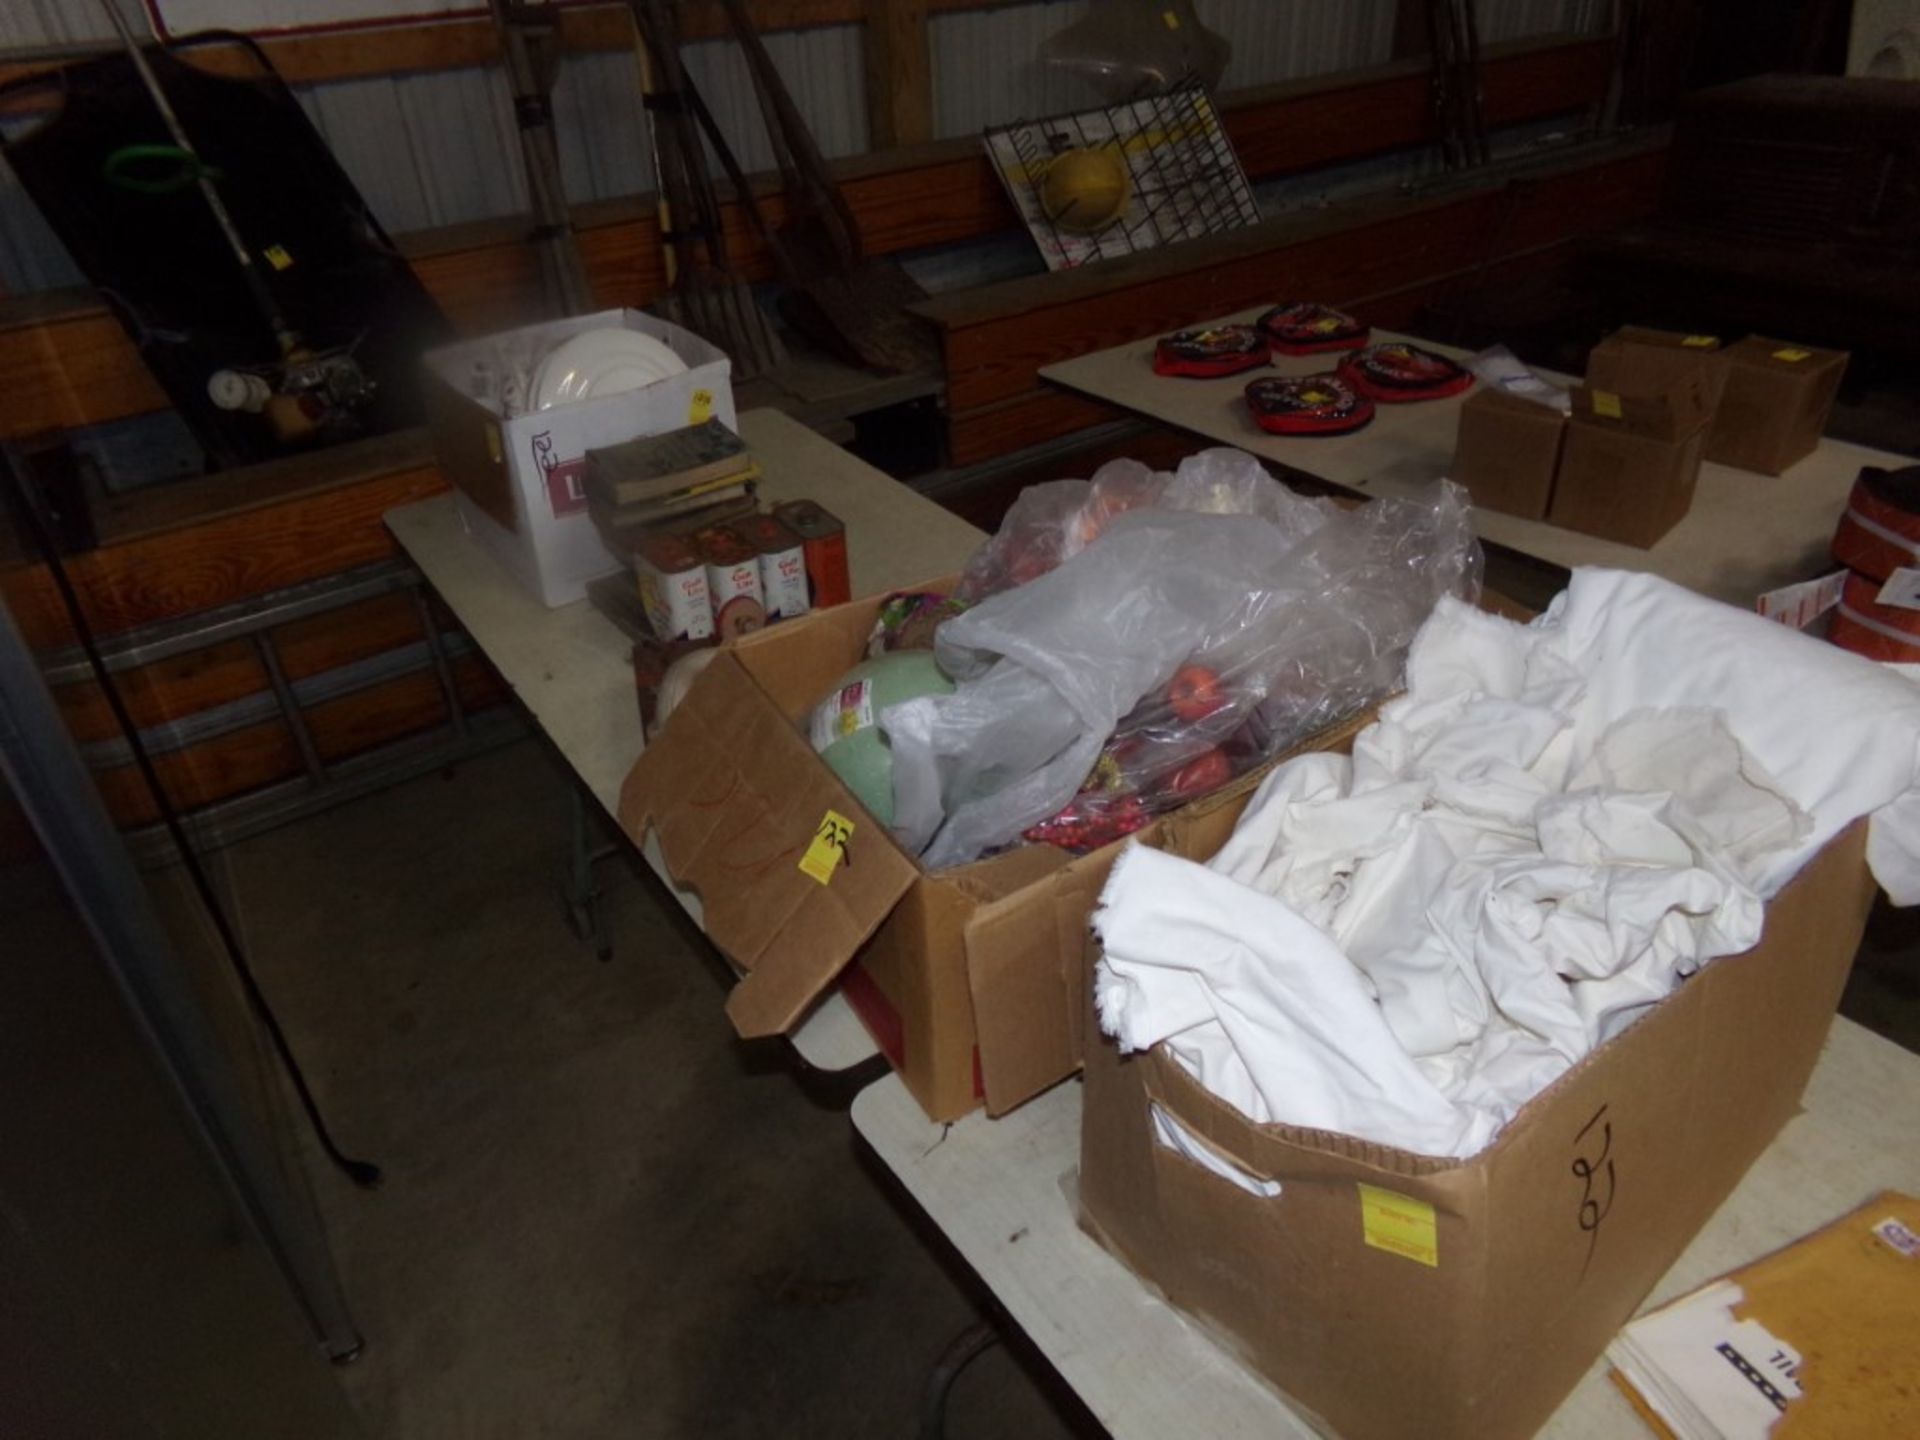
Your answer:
<point x="1774" y="408"/>
<point x="1540" y="1247"/>
<point x="518" y="482"/>
<point x="1508" y="452"/>
<point x="1629" y="463"/>
<point x="970" y="978"/>
<point x="1635" y="360"/>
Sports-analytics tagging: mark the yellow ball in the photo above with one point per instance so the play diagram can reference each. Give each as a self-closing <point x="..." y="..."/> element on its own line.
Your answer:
<point x="1085" y="190"/>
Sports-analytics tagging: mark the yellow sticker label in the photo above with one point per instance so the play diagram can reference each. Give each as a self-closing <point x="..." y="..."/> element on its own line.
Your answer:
<point x="1701" y="342"/>
<point x="495" y="450"/>
<point x="278" y="257"/>
<point x="1791" y="356"/>
<point x="828" y="847"/>
<point x="1399" y="1223"/>
<point x="1172" y="20"/>
<point x="700" y="408"/>
<point x="1316" y="397"/>
<point x="1606" y="403"/>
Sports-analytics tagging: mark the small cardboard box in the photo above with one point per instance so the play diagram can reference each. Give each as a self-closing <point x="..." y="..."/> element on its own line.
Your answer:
<point x="1628" y="467"/>
<point x="970" y="978"/>
<point x="1774" y="408"/>
<point x="1508" y="452"/>
<point x="519" y="481"/>
<point x="1635" y="360"/>
<point x="1391" y="1294"/>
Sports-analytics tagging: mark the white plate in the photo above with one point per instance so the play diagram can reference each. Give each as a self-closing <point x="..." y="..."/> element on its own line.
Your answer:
<point x="601" y="362"/>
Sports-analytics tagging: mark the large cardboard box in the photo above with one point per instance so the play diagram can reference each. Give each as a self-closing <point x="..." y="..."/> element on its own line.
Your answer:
<point x="970" y="978"/>
<point x="1628" y="467"/>
<point x="1392" y="1294"/>
<point x="519" y="481"/>
<point x="1775" y="404"/>
<point x="1636" y="360"/>
<point x="1508" y="452"/>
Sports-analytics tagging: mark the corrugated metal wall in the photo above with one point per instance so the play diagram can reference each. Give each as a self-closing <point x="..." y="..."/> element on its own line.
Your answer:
<point x="439" y="148"/>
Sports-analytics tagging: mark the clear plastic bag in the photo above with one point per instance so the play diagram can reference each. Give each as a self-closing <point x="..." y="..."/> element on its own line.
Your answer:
<point x="1146" y="663"/>
<point x="1050" y="523"/>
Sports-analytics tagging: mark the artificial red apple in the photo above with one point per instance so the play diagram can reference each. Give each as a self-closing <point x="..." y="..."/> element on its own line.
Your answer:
<point x="1206" y="772"/>
<point x="1194" y="692"/>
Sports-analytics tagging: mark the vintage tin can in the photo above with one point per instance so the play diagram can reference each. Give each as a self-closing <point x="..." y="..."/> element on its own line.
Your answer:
<point x="783" y="565"/>
<point x="733" y="581"/>
<point x="824" y="540"/>
<point x="673" y="588"/>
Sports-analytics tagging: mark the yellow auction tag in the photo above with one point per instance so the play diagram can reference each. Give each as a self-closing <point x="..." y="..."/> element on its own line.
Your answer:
<point x="1172" y="20"/>
<point x="1316" y="397"/>
<point x="828" y="848"/>
<point x="495" y="450"/>
<point x="1606" y="403"/>
<point x="1701" y="342"/>
<point x="700" y="408"/>
<point x="278" y="257"/>
<point x="1791" y="356"/>
<point x="1400" y="1224"/>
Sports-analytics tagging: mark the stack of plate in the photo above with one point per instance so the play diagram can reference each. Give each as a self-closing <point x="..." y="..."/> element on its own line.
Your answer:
<point x="601" y="362"/>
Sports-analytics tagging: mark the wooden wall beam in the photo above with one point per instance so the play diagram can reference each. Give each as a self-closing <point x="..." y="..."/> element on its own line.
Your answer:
<point x="65" y="362"/>
<point x="264" y="754"/>
<point x="899" y="73"/>
<point x="183" y="571"/>
<point x="1371" y="257"/>
<point x="324" y="56"/>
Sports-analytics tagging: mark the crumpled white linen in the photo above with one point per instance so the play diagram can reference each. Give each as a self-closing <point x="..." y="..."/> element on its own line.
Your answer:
<point x="1553" y="825"/>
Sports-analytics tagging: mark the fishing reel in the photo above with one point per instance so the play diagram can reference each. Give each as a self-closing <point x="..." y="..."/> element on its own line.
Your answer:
<point x="306" y="393"/>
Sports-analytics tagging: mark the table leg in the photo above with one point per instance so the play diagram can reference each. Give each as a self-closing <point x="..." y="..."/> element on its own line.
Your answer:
<point x="581" y="893"/>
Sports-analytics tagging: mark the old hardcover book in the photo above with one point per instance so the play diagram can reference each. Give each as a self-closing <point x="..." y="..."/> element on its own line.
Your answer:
<point x="673" y="463"/>
<point x="623" y="530"/>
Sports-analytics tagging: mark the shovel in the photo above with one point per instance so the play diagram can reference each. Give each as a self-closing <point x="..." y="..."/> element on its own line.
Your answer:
<point x="850" y="305"/>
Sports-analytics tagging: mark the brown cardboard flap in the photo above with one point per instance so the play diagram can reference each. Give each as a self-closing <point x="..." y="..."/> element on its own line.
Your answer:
<point x="736" y="796"/>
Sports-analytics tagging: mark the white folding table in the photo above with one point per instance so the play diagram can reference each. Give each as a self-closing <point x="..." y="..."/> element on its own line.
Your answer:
<point x="1002" y="1192"/>
<point x="572" y="667"/>
<point x="1746" y="533"/>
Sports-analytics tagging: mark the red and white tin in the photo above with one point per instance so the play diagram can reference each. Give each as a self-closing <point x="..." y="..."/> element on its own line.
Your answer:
<point x="1880" y="632"/>
<point x="783" y="565"/>
<point x="733" y="582"/>
<point x="1880" y="531"/>
<point x="673" y="588"/>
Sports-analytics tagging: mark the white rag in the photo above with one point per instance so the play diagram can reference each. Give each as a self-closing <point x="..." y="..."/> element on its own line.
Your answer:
<point x="1551" y="827"/>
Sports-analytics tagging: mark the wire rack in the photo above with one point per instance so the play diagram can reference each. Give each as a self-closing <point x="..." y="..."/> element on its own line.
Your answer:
<point x="1185" y="179"/>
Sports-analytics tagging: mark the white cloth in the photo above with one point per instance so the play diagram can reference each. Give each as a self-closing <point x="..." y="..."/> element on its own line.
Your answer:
<point x="1551" y="827"/>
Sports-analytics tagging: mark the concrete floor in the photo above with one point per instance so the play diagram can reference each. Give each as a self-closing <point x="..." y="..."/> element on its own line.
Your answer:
<point x="603" y="1215"/>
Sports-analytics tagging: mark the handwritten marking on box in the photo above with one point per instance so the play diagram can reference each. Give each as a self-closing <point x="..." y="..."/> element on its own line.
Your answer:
<point x="1399" y="1224"/>
<point x="828" y="847"/>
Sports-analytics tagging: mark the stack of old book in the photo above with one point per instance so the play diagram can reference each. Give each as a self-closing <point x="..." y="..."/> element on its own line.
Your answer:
<point x="675" y="483"/>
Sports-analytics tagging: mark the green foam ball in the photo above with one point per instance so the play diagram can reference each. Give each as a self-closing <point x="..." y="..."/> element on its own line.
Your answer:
<point x="844" y="730"/>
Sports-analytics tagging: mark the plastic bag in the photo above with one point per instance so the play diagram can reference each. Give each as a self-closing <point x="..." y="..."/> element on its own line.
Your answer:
<point x="1174" y="649"/>
<point x="1050" y="523"/>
